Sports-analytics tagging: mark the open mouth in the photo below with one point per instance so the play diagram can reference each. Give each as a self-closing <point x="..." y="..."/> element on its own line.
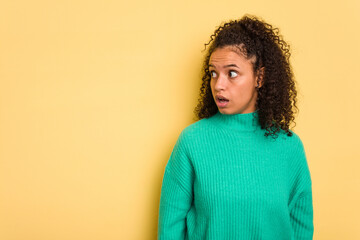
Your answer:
<point x="222" y="99"/>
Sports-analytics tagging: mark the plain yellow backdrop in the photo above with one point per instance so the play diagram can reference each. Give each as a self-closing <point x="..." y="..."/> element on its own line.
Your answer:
<point x="93" y="95"/>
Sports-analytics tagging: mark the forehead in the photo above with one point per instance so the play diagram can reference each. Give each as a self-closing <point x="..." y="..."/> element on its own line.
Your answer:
<point x="229" y="54"/>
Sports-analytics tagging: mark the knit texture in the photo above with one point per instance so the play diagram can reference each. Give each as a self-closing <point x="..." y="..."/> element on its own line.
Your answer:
<point x="226" y="180"/>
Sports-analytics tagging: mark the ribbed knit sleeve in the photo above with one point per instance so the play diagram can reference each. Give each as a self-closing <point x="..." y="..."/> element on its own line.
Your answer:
<point x="301" y="208"/>
<point x="301" y="217"/>
<point x="176" y="193"/>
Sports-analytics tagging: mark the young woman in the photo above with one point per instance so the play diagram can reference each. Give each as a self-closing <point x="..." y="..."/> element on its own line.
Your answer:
<point x="240" y="172"/>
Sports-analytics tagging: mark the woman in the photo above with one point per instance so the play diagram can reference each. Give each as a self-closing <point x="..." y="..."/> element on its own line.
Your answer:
<point x="240" y="172"/>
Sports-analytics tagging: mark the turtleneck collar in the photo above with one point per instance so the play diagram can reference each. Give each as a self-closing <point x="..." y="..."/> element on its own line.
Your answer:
<point x="245" y="122"/>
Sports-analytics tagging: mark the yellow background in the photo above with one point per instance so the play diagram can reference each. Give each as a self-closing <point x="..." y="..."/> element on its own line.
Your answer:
<point x="93" y="95"/>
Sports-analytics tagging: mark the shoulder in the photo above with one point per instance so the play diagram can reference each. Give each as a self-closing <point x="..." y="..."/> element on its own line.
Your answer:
<point x="195" y="129"/>
<point x="293" y="145"/>
<point x="296" y="141"/>
<point x="300" y="164"/>
<point x="293" y="141"/>
<point x="193" y="134"/>
<point x="184" y="146"/>
<point x="298" y="153"/>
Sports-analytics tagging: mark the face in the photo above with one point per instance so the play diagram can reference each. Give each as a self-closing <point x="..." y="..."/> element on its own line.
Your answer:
<point x="232" y="81"/>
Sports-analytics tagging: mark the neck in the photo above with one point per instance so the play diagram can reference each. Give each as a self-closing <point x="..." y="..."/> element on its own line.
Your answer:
<point x="245" y="122"/>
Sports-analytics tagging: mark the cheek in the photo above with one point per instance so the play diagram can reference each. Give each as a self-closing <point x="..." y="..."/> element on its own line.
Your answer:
<point x="242" y="91"/>
<point x="212" y="85"/>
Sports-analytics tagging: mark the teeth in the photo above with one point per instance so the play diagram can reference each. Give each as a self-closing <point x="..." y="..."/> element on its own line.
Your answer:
<point x="222" y="99"/>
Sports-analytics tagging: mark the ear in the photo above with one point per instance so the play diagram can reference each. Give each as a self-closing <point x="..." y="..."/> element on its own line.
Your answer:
<point x="260" y="76"/>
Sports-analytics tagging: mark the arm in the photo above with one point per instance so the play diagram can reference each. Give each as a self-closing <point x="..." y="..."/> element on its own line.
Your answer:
<point x="301" y="217"/>
<point x="176" y="193"/>
<point x="301" y="208"/>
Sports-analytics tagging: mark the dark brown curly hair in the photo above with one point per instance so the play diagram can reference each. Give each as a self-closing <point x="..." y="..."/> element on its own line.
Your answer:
<point x="276" y="102"/>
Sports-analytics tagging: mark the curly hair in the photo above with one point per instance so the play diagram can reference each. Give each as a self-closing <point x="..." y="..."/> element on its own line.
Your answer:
<point x="276" y="102"/>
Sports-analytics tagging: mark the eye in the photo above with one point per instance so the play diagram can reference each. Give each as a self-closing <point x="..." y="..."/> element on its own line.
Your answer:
<point x="233" y="74"/>
<point x="213" y="74"/>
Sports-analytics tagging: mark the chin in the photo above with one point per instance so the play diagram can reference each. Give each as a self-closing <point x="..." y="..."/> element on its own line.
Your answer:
<point x="225" y="111"/>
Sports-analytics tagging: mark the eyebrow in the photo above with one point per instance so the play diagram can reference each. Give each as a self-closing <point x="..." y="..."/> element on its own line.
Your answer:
<point x="226" y="66"/>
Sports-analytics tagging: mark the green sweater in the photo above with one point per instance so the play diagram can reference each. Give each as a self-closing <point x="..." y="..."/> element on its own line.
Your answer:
<point x="226" y="180"/>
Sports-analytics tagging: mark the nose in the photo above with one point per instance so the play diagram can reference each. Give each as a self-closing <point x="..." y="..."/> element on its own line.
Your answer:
<point x="220" y="83"/>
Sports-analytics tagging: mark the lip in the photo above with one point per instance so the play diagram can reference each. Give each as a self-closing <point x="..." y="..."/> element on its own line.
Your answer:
<point x="221" y="104"/>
